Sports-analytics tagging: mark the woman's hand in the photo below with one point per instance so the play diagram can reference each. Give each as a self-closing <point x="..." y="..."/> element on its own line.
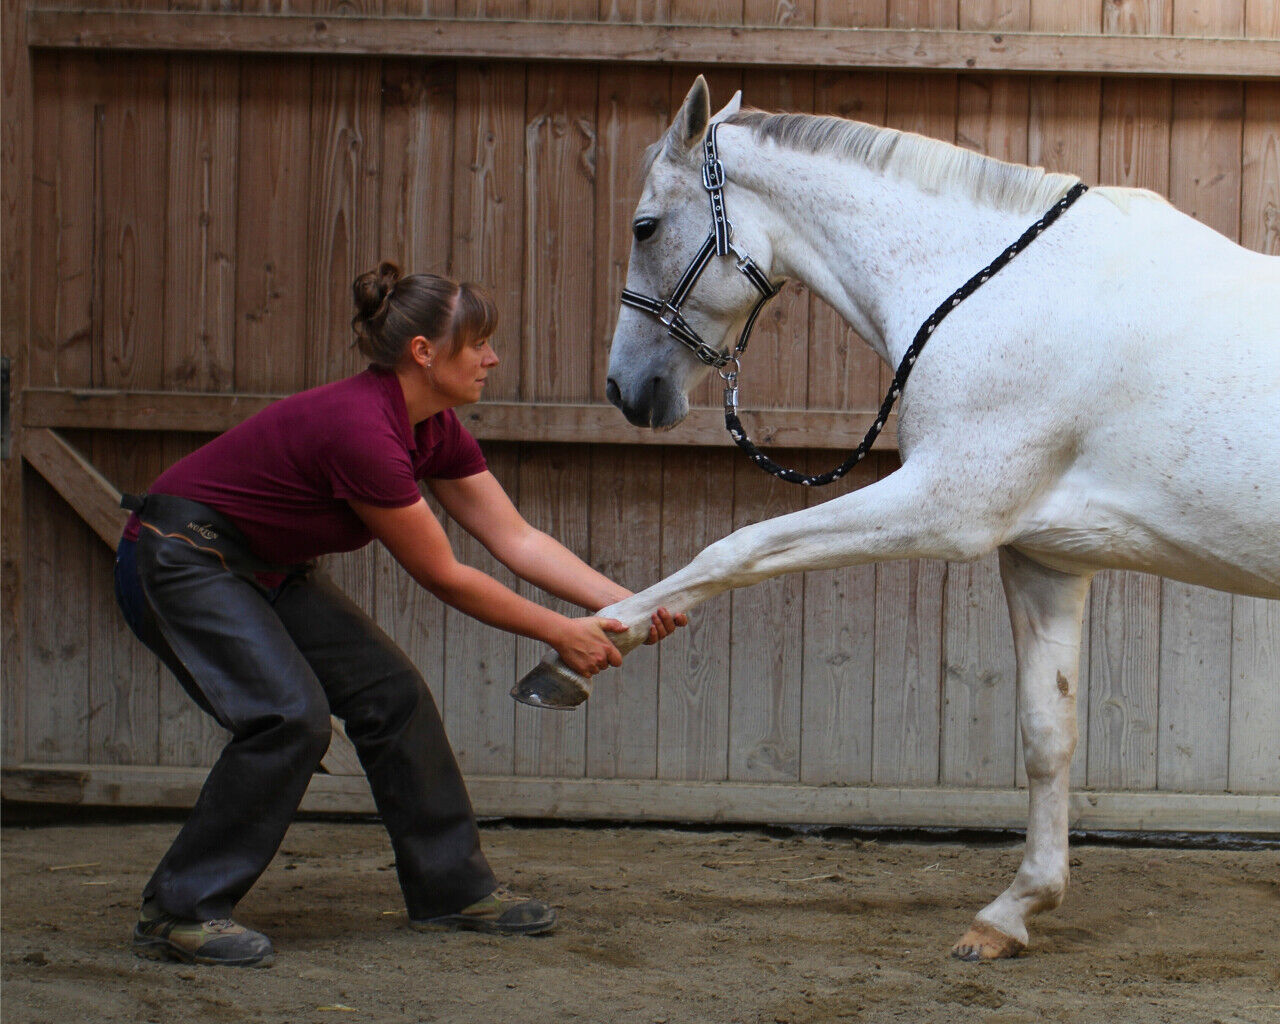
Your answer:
<point x="585" y="646"/>
<point x="663" y="624"/>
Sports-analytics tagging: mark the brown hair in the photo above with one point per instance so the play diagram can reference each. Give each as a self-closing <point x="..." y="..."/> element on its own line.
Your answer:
<point x="392" y="310"/>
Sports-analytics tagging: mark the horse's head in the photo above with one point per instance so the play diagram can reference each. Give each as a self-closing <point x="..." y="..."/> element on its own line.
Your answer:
<point x="651" y="373"/>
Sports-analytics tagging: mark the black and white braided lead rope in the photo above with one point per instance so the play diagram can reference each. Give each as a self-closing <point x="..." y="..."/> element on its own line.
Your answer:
<point x="739" y="433"/>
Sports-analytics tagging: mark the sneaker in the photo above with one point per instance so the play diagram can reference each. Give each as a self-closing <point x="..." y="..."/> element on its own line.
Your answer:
<point x="499" y="913"/>
<point x="220" y="942"/>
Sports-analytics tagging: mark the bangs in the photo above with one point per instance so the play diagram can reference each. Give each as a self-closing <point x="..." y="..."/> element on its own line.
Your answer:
<point x="475" y="314"/>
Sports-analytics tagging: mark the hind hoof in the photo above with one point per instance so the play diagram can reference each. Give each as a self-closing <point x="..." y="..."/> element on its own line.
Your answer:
<point x="982" y="942"/>
<point x="550" y="685"/>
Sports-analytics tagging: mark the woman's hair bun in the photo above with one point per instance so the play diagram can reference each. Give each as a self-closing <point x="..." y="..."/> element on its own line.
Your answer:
<point x="371" y="291"/>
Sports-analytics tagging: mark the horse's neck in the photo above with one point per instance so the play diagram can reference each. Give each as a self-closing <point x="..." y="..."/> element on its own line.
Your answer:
<point x="878" y="249"/>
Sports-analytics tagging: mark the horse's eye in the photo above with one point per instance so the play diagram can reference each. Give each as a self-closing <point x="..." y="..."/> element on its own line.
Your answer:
<point x="644" y="228"/>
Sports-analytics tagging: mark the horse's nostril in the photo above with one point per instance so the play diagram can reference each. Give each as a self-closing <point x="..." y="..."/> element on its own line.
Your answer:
<point x="612" y="393"/>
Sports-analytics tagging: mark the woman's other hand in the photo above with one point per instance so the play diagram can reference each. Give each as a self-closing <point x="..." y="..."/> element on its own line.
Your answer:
<point x="663" y="624"/>
<point x="585" y="645"/>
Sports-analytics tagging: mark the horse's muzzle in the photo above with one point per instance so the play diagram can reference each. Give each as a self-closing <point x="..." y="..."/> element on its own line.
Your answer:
<point x="657" y="405"/>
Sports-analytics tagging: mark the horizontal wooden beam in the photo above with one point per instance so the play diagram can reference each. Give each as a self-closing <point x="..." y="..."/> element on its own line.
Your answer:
<point x="94" y="498"/>
<point x="721" y="803"/>
<point x="694" y="45"/>
<point x="544" y="422"/>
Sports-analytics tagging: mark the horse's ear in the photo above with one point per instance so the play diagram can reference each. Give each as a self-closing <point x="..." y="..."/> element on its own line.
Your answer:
<point x="730" y="108"/>
<point x="691" y="122"/>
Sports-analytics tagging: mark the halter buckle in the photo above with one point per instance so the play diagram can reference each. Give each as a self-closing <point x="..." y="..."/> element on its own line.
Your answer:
<point x="713" y="175"/>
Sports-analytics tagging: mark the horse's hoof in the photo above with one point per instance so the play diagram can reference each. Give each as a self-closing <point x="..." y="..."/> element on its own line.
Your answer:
<point x="550" y="685"/>
<point x="983" y="942"/>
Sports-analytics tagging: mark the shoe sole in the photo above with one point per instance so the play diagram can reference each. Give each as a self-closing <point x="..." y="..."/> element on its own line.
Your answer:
<point x="465" y="924"/>
<point x="164" y="950"/>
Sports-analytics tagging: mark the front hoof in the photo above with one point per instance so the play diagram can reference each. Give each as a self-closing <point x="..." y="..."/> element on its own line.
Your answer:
<point x="982" y="942"/>
<point x="551" y="685"/>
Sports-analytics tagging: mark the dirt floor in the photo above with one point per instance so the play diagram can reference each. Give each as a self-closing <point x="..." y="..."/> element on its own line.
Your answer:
<point x="657" y="925"/>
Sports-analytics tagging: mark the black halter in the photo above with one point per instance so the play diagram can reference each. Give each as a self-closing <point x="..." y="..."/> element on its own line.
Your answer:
<point x="720" y="243"/>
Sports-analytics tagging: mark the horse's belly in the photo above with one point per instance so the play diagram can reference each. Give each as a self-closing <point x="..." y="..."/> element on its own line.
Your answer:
<point x="1077" y="532"/>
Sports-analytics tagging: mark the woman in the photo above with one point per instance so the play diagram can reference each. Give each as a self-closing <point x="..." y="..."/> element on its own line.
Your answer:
<point x="215" y="574"/>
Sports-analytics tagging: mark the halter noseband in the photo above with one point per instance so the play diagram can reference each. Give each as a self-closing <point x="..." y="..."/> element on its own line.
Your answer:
<point x="719" y="242"/>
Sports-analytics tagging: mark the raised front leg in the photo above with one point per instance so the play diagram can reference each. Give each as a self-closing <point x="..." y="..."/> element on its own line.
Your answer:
<point x="911" y="514"/>
<point x="1046" y="608"/>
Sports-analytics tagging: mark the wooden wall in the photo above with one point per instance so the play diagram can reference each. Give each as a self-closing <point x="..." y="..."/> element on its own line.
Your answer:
<point x="195" y="221"/>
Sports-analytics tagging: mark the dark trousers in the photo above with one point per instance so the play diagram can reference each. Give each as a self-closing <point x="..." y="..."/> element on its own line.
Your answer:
<point x="270" y="666"/>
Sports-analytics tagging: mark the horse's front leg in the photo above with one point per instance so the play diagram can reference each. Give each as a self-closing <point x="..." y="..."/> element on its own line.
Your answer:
<point x="1046" y="608"/>
<point x="899" y="517"/>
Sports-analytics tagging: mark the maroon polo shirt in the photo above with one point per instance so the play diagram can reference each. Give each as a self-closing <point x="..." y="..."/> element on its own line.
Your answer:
<point x="285" y="475"/>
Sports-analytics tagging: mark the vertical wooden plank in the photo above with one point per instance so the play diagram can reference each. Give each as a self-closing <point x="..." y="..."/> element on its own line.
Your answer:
<point x="488" y="211"/>
<point x="62" y="215"/>
<point x="626" y="521"/>
<point x="1195" y="623"/>
<point x="416" y="197"/>
<point x="201" y="224"/>
<point x="1124" y="656"/>
<point x="560" y="159"/>
<point x="694" y="665"/>
<point x="342" y="233"/>
<point x="57" y="546"/>
<point x="272" y="198"/>
<point x="134" y="298"/>
<point x="480" y="661"/>
<point x="767" y="653"/>
<point x="554" y="495"/>
<point x="1254" y="763"/>
<point x="838" y="672"/>
<point x="132" y="235"/>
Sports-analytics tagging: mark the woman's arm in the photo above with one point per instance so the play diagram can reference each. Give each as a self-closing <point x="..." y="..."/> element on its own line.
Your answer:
<point x="417" y="540"/>
<point x="481" y="507"/>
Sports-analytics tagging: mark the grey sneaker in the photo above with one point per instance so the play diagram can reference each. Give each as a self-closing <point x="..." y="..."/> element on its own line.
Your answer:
<point x="499" y="913"/>
<point x="220" y="942"/>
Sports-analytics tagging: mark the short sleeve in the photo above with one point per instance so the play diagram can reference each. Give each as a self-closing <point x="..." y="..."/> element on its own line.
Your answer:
<point x="372" y="467"/>
<point x="452" y="453"/>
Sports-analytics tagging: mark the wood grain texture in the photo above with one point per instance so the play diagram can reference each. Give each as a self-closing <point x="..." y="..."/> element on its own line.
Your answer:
<point x="555" y="496"/>
<point x="838" y="670"/>
<point x="466" y="39"/>
<point x="768" y="637"/>
<point x="694" y="665"/>
<point x="626" y="503"/>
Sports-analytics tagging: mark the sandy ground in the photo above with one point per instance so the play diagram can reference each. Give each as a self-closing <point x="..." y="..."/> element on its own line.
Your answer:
<point x="657" y="925"/>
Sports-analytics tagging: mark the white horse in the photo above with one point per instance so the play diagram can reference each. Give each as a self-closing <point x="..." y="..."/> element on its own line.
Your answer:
<point x="1111" y="399"/>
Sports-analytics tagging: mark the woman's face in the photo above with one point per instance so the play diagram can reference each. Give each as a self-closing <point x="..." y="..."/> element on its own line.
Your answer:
<point x="460" y="378"/>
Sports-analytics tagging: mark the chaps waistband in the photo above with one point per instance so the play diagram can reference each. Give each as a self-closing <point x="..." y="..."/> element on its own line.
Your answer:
<point x="203" y="528"/>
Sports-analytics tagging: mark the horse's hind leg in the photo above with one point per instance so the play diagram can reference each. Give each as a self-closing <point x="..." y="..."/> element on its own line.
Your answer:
<point x="1046" y="608"/>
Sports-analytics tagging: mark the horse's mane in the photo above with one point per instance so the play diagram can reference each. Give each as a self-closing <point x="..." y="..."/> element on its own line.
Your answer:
<point x="932" y="164"/>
